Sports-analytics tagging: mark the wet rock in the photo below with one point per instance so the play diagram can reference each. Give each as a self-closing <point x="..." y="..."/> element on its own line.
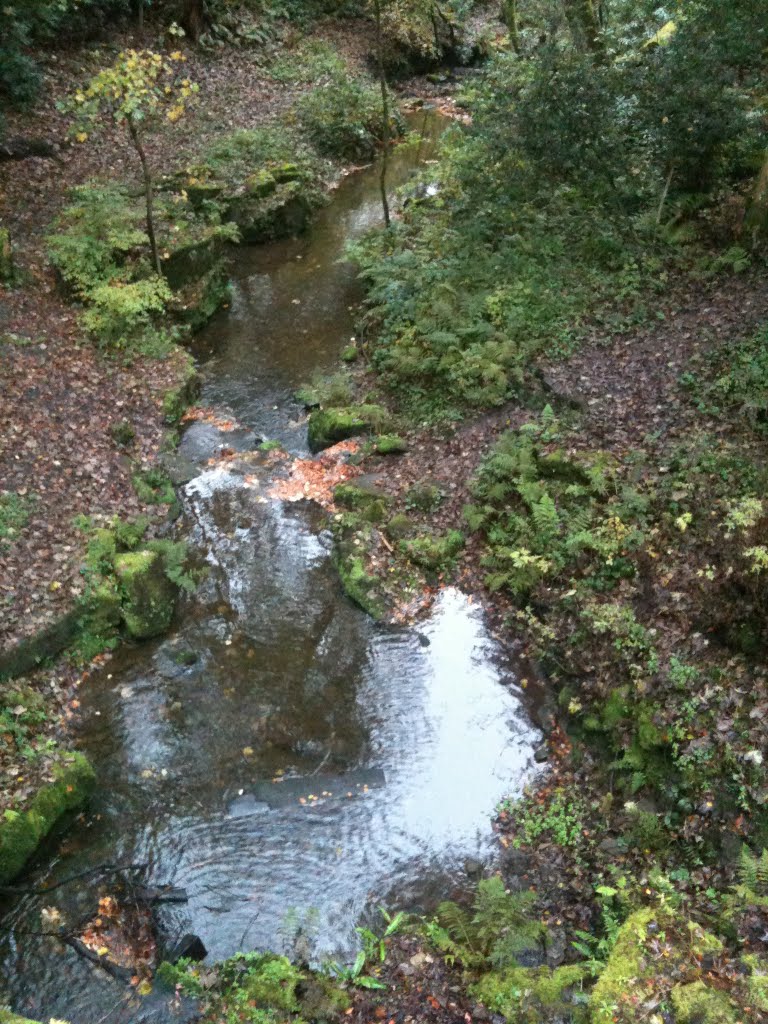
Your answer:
<point x="610" y="846"/>
<point x="179" y="470"/>
<point x="541" y="753"/>
<point x="203" y="441"/>
<point x="190" y="947"/>
<point x="474" y="868"/>
<point x="556" y="943"/>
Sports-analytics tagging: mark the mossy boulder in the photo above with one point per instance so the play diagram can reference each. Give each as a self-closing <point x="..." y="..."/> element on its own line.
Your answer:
<point x="282" y="213"/>
<point x="262" y="183"/>
<point x="149" y="597"/>
<point x="537" y="994"/>
<point x="190" y="259"/>
<point x="178" y="399"/>
<point x="22" y="831"/>
<point x="357" y="582"/>
<point x="195" y="303"/>
<point x="329" y="426"/>
<point x="697" y="1003"/>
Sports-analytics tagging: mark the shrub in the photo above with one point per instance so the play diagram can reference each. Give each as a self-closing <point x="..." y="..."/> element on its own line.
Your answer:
<point x="343" y="117"/>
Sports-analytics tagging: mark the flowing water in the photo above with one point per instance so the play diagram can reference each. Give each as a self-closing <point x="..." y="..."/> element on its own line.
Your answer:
<point x="283" y="758"/>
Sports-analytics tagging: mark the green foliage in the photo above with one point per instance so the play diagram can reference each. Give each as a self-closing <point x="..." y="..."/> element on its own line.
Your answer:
<point x="752" y="888"/>
<point x="15" y="512"/>
<point x="493" y="932"/>
<point x="153" y="487"/>
<point x="541" y="513"/>
<point x="312" y="61"/>
<point x="99" y="238"/>
<point x="121" y="313"/>
<point x="139" y="86"/>
<point x="560" y="818"/>
<point x="22" y="712"/>
<point x="423" y="497"/>
<point x="343" y="117"/>
<point x="434" y="552"/>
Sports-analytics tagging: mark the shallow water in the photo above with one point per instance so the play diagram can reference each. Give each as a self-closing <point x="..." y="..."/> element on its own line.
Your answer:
<point x="279" y="749"/>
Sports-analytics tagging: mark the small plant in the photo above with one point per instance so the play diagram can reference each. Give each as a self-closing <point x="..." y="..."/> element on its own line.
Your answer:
<point x="138" y="88"/>
<point x="15" y="512"/>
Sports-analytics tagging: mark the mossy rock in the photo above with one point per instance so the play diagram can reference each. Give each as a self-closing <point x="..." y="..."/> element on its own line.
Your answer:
<point x="262" y="183"/>
<point x="283" y="213"/>
<point x="149" y="597"/>
<point x="357" y="583"/>
<point x="391" y="444"/>
<point x="697" y="1003"/>
<point x="203" y="192"/>
<point x="349" y="354"/>
<point x="195" y="303"/>
<point x="178" y="399"/>
<point x="104" y="610"/>
<point x="283" y="173"/>
<point x="329" y="426"/>
<point x="371" y="505"/>
<point x="320" y="999"/>
<point x="757" y="981"/>
<point x="535" y="994"/>
<point x="272" y="982"/>
<point x="21" y="832"/>
<point x="190" y="260"/>
<point x="8" y="1017"/>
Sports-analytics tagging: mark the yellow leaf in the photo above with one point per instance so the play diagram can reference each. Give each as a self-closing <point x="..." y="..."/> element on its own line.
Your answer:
<point x="81" y="136"/>
<point x="102" y="950"/>
<point x="144" y="988"/>
<point x="248" y="751"/>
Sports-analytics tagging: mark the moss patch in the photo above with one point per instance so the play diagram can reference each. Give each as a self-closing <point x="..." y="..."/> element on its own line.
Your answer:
<point x="534" y="994"/>
<point x="329" y="426"/>
<point x="22" y="831"/>
<point x="698" y="1004"/>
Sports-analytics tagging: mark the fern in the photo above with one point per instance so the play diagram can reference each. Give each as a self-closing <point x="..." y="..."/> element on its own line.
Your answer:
<point x="545" y="517"/>
<point x="753" y="878"/>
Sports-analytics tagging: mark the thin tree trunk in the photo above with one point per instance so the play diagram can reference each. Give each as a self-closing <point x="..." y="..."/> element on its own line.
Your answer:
<point x="585" y="24"/>
<point x="509" y="13"/>
<point x="136" y="139"/>
<point x="384" y="112"/>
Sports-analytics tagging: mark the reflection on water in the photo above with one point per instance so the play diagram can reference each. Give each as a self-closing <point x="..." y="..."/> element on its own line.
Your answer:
<point x="393" y="744"/>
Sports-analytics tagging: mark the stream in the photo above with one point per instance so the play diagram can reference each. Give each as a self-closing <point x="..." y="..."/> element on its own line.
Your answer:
<point x="286" y="760"/>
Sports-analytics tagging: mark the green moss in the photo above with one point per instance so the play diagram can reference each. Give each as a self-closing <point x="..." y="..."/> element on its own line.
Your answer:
<point x="321" y="999"/>
<point x="329" y="426"/>
<point x="178" y="399"/>
<point x="271" y="983"/>
<point x="434" y="552"/>
<point x="423" y="497"/>
<point x="262" y="183"/>
<point x="7" y="269"/>
<point x="757" y="981"/>
<point x="8" y="1017"/>
<point x="270" y="446"/>
<point x="372" y="507"/>
<point x="148" y="594"/>
<point x="349" y="354"/>
<point x="533" y="994"/>
<point x="358" y="584"/>
<point x="195" y="303"/>
<point x="390" y="444"/>
<point x="698" y="1004"/>
<point x="399" y="526"/>
<point x="22" y="831"/>
<point x="625" y="965"/>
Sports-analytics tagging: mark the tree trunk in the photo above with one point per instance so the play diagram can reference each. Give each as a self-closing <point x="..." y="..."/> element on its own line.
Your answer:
<point x="384" y="112"/>
<point x="509" y="16"/>
<point x="193" y="18"/>
<point x="585" y="25"/>
<point x="136" y="140"/>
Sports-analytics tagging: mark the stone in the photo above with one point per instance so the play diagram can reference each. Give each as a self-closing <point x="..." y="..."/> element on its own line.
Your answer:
<point x="556" y="945"/>
<point x="541" y="753"/>
<point x="149" y="597"/>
